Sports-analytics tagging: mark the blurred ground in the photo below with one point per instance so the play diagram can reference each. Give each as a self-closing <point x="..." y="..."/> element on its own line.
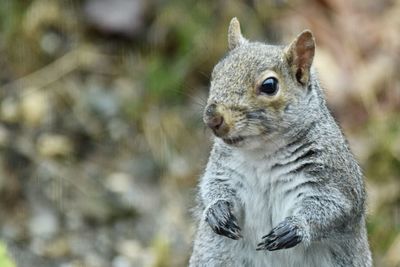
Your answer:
<point x="101" y="139"/>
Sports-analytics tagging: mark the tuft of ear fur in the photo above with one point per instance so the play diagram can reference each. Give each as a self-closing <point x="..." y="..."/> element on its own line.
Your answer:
<point x="300" y="54"/>
<point x="235" y="37"/>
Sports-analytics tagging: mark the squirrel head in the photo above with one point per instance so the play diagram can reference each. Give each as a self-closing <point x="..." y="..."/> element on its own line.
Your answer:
<point x="261" y="91"/>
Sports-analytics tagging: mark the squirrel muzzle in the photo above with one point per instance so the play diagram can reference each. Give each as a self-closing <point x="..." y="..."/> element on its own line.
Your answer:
<point x="214" y="118"/>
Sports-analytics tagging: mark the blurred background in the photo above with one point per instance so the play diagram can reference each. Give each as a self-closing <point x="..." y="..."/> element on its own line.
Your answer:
<point x="101" y="137"/>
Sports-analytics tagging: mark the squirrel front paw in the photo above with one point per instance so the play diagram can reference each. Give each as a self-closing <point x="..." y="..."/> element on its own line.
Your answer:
<point x="221" y="220"/>
<point x="286" y="235"/>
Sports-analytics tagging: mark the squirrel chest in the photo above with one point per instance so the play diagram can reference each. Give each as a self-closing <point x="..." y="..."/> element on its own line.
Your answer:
<point x="268" y="191"/>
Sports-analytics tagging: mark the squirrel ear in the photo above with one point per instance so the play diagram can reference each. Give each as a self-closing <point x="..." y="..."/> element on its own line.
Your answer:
<point x="235" y="37"/>
<point x="299" y="54"/>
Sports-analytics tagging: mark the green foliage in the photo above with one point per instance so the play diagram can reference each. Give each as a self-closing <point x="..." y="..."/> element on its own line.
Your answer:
<point x="383" y="163"/>
<point x="382" y="231"/>
<point x="11" y="13"/>
<point x="177" y="53"/>
<point x="5" y="261"/>
<point x="162" y="252"/>
<point x="165" y="77"/>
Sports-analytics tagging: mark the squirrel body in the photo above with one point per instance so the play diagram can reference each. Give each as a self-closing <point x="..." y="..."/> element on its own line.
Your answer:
<point x="281" y="187"/>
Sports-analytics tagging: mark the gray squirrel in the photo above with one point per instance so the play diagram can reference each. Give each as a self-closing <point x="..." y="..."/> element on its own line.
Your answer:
<point x="281" y="187"/>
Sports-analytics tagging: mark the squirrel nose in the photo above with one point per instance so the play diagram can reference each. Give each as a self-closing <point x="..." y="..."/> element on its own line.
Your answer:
<point x="215" y="122"/>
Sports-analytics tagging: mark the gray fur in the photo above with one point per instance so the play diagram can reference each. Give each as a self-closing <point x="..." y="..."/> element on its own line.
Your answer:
<point x="290" y="192"/>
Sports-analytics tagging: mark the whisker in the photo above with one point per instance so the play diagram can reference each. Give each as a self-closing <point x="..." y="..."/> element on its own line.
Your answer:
<point x="197" y="99"/>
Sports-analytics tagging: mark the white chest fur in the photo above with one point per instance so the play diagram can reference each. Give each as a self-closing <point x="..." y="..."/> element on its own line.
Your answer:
<point x="266" y="200"/>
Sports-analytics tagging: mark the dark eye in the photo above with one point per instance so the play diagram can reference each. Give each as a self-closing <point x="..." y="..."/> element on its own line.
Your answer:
<point x="269" y="86"/>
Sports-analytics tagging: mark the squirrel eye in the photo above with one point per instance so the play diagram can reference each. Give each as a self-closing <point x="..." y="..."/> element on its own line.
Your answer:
<point x="269" y="86"/>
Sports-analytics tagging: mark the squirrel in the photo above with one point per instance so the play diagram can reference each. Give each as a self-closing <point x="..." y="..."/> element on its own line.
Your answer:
<point x="281" y="187"/>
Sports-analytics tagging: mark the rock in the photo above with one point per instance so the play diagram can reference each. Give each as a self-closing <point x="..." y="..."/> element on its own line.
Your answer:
<point x="80" y="243"/>
<point x="12" y="230"/>
<point x="121" y="261"/>
<point x="102" y="102"/>
<point x="131" y="194"/>
<point x="9" y="110"/>
<point x="74" y="263"/>
<point x="74" y="220"/>
<point x="95" y="260"/>
<point x="57" y="248"/>
<point x="179" y="167"/>
<point x="53" y="145"/>
<point x="44" y="223"/>
<point x="51" y="42"/>
<point x="137" y="255"/>
<point x="129" y="248"/>
<point x="118" y="130"/>
<point x="124" y="17"/>
<point x="119" y="182"/>
<point x="34" y="106"/>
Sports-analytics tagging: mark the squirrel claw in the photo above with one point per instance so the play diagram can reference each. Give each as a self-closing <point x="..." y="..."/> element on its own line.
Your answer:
<point x="283" y="236"/>
<point x="222" y="221"/>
